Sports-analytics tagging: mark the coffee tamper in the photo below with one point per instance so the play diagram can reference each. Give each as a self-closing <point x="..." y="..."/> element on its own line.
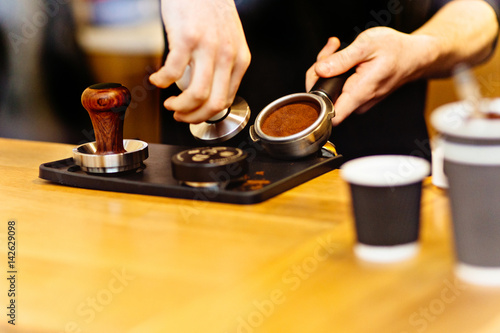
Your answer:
<point x="106" y="104"/>
<point x="225" y="124"/>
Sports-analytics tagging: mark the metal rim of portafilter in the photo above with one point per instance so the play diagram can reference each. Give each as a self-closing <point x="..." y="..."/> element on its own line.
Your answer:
<point x="310" y="139"/>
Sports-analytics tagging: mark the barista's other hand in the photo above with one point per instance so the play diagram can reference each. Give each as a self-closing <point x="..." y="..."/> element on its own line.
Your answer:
<point x="207" y="36"/>
<point x="384" y="59"/>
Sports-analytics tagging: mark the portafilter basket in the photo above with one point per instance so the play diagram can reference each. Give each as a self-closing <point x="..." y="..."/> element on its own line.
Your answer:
<point x="315" y="136"/>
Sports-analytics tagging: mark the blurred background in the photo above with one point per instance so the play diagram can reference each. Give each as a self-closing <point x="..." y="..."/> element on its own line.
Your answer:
<point x="51" y="50"/>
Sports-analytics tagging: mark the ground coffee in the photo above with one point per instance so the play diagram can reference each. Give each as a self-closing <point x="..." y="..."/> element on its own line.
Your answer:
<point x="290" y="119"/>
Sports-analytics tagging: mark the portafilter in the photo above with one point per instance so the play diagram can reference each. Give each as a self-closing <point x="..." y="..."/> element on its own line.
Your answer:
<point x="298" y="125"/>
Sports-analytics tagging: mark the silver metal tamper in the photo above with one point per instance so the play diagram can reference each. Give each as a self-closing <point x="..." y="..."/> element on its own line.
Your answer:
<point x="225" y="124"/>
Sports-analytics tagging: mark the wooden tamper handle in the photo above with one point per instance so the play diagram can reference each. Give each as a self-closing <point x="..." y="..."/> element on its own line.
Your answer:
<point x="106" y="104"/>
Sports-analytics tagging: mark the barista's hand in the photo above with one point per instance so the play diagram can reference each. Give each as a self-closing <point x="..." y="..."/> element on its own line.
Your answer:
<point x="207" y="36"/>
<point x="384" y="59"/>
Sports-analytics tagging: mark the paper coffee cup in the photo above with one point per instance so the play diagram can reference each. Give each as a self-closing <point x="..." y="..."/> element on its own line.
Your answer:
<point x="471" y="151"/>
<point x="386" y="194"/>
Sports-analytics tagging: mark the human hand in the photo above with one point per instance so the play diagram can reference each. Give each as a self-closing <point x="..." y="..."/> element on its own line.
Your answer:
<point x="208" y="37"/>
<point x="384" y="59"/>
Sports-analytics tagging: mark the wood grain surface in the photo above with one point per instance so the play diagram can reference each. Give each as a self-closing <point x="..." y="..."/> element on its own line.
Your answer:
<point x="106" y="105"/>
<point x="92" y="261"/>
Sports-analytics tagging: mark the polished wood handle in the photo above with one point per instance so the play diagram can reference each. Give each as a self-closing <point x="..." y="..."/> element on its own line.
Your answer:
<point x="106" y="104"/>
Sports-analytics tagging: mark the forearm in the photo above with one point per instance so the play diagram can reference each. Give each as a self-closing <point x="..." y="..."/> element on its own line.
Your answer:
<point x="461" y="31"/>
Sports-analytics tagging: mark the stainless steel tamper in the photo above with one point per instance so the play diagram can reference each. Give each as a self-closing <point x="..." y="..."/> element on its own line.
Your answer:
<point x="225" y="124"/>
<point x="106" y="104"/>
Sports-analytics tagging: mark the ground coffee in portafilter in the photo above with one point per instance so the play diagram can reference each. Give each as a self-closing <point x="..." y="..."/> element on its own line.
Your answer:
<point x="290" y="119"/>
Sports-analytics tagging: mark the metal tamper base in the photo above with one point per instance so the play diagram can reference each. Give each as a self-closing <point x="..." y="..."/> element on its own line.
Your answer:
<point x="230" y="122"/>
<point x="86" y="158"/>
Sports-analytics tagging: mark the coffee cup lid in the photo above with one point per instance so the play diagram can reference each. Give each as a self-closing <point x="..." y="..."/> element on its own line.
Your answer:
<point x="456" y="119"/>
<point x="385" y="170"/>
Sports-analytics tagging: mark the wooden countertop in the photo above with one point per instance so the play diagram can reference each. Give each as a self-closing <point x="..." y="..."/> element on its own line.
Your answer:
<point x="92" y="261"/>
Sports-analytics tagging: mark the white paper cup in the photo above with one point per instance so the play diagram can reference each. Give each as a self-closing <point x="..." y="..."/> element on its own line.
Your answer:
<point x="386" y="193"/>
<point x="471" y="152"/>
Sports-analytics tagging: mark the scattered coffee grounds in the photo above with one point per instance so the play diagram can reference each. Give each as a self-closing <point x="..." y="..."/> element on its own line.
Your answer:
<point x="492" y="115"/>
<point x="256" y="182"/>
<point x="485" y="115"/>
<point x="290" y="119"/>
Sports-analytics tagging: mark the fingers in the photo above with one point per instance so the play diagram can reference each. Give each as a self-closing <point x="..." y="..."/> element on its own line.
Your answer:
<point x="311" y="77"/>
<point x="359" y="91"/>
<point x="212" y="88"/>
<point x="349" y="99"/>
<point x="331" y="46"/>
<point x="330" y="63"/>
<point x="208" y="38"/>
<point x="198" y="89"/>
<point x="384" y="59"/>
<point x="198" y="103"/>
<point x="349" y="103"/>
<point x="363" y="90"/>
<point x="340" y="62"/>
<point x="174" y="67"/>
<point x="239" y="71"/>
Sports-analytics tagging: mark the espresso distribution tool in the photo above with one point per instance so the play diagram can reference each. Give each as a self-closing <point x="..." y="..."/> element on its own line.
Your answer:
<point x="209" y="166"/>
<point x="106" y="104"/>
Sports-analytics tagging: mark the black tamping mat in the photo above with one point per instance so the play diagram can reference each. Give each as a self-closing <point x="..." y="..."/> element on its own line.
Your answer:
<point x="267" y="176"/>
